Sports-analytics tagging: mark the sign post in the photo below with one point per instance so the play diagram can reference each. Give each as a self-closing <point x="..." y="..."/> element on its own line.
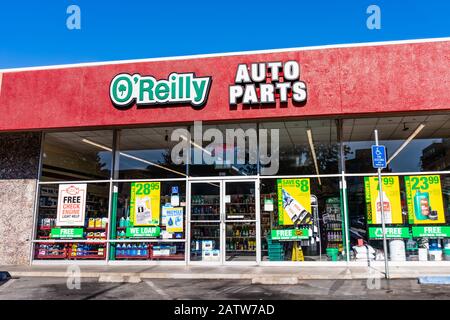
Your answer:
<point x="379" y="162"/>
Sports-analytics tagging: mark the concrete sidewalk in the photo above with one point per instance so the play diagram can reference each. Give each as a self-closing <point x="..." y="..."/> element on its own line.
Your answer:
<point x="257" y="274"/>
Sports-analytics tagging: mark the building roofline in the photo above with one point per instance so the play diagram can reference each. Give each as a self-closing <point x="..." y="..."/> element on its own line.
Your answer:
<point x="212" y="55"/>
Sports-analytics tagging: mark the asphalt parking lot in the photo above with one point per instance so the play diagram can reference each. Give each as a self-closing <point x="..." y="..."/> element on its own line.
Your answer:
<point x="38" y="288"/>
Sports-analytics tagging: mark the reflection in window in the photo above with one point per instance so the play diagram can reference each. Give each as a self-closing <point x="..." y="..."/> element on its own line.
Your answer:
<point x="146" y="153"/>
<point x="306" y="147"/>
<point x="428" y="151"/>
<point x="212" y="156"/>
<point x="83" y="155"/>
<point x="326" y="229"/>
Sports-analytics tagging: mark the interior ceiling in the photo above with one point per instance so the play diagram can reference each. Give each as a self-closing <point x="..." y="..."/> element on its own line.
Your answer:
<point x="291" y="133"/>
<point x="392" y="128"/>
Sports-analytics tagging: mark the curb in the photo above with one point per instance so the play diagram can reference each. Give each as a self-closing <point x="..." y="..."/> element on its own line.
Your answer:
<point x="277" y="278"/>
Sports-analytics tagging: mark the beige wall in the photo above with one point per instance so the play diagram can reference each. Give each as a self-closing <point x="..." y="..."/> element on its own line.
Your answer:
<point x="19" y="160"/>
<point x="16" y="220"/>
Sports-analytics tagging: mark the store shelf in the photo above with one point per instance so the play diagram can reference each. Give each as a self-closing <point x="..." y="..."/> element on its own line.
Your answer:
<point x="169" y="257"/>
<point x="241" y="237"/>
<point x="212" y="237"/>
<point x="132" y="257"/>
<point x="51" y="256"/>
<point x="95" y="239"/>
<point x="87" y="257"/>
<point x="95" y="228"/>
<point x="240" y="204"/>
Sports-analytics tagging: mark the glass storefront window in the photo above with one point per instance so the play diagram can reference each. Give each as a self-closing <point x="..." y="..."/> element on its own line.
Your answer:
<point x="81" y="155"/>
<point x="150" y="217"/>
<point x="416" y="215"/>
<point x="428" y="151"/>
<point x="318" y="236"/>
<point x="302" y="141"/>
<point x="154" y="213"/>
<point x="94" y="227"/>
<point x="146" y="154"/>
<point x="223" y="150"/>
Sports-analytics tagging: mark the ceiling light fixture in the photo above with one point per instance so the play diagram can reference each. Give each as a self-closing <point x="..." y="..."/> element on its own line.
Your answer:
<point x="405" y="128"/>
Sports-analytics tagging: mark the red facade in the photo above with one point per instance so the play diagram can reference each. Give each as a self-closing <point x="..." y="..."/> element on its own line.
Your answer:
<point x="340" y="81"/>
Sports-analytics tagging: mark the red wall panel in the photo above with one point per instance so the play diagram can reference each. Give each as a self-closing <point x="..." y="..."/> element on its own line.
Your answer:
<point x="340" y="81"/>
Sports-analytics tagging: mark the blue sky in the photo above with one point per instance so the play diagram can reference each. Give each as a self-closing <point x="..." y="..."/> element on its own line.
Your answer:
<point x="34" y="33"/>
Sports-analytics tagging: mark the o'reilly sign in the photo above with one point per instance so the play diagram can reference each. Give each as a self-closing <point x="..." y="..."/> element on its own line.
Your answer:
<point x="179" y="88"/>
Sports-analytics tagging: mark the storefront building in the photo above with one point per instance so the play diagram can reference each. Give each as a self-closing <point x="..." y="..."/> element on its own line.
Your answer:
<point x="249" y="158"/>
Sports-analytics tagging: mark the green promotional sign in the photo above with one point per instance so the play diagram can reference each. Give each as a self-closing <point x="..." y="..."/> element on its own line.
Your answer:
<point x="143" y="232"/>
<point x="66" y="233"/>
<point x="391" y="233"/>
<point x="431" y="231"/>
<point x="291" y="234"/>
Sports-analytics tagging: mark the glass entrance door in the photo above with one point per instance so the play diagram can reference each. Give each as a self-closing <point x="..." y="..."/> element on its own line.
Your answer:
<point x="224" y="222"/>
<point x="241" y="230"/>
<point x="206" y="223"/>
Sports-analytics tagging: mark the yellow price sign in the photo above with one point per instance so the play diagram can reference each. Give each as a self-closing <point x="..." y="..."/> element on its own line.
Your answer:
<point x="424" y="199"/>
<point x="391" y="200"/>
<point x="145" y="203"/>
<point x="294" y="201"/>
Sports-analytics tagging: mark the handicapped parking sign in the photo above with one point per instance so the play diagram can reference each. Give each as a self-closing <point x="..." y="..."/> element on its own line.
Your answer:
<point x="379" y="157"/>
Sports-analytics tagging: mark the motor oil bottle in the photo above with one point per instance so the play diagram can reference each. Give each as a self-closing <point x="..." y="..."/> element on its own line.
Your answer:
<point x="422" y="205"/>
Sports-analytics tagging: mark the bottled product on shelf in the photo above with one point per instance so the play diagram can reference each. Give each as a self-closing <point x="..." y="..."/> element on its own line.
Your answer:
<point x="332" y="224"/>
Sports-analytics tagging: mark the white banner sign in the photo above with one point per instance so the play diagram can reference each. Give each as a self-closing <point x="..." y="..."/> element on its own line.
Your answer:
<point x="71" y="204"/>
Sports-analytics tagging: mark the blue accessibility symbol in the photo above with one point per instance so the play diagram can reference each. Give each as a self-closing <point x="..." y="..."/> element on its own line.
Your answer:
<point x="379" y="157"/>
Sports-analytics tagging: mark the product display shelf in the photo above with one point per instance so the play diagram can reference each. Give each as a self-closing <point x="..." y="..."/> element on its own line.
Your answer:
<point x="96" y="228"/>
<point x="178" y="256"/>
<point x="126" y="257"/>
<point x="43" y="253"/>
<point x="243" y="237"/>
<point x="87" y="254"/>
<point x="211" y="237"/>
<point x="93" y="238"/>
<point x="241" y="203"/>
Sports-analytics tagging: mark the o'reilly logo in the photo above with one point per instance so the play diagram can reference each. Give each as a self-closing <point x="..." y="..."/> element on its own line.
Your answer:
<point x="126" y="89"/>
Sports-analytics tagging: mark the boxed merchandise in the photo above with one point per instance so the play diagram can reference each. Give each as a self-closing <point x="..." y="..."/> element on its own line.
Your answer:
<point x="364" y="253"/>
<point x="161" y="250"/>
<point x="207" y="245"/>
<point x="211" y="255"/>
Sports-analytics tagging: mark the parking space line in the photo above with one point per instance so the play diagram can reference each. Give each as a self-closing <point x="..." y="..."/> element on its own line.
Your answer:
<point x="158" y="290"/>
